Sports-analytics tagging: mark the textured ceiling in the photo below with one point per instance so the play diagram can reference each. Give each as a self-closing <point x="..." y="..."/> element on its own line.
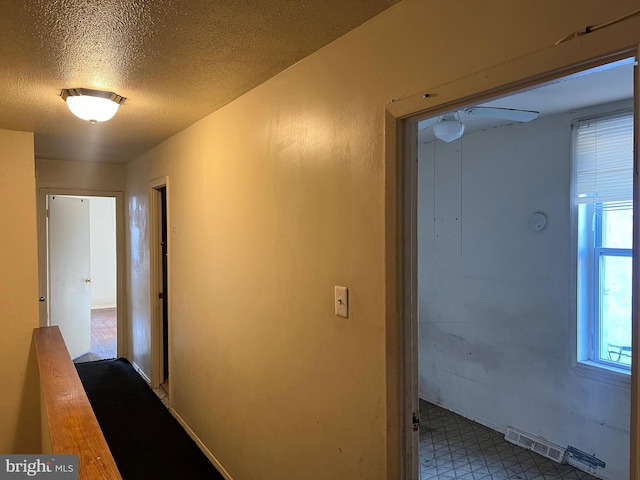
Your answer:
<point x="174" y="61"/>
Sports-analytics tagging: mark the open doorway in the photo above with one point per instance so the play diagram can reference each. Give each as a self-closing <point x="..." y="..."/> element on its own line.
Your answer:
<point x="568" y="404"/>
<point x="160" y="321"/>
<point x="164" y="292"/>
<point x="524" y="280"/>
<point x="81" y="246"/>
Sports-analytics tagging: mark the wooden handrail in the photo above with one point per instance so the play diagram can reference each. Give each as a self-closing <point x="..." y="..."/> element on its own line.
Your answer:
<point x="70" y="424"/>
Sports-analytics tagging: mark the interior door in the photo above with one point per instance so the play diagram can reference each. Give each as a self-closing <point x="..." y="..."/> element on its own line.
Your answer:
<point x="70" y="271"/>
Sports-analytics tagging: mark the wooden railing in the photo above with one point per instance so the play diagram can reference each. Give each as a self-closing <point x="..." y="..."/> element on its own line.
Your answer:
<point x="69" y="425"/>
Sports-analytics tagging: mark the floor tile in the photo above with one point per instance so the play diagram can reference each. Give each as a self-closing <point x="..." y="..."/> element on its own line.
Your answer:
<point x="452" y="447"/>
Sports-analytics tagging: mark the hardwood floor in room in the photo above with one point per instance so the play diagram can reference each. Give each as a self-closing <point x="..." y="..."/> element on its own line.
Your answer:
<point x="103" y="335"/>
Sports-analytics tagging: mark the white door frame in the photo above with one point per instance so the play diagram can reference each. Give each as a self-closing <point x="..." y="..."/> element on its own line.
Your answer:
<point x="614" y="43"/>
<point x="154" y="278"/>
<point x="120" y="256"/>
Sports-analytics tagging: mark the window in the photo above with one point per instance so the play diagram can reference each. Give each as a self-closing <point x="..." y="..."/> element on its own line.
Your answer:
<point x="603" y="192"/>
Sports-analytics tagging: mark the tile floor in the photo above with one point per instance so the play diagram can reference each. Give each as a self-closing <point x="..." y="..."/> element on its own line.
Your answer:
<point x="452" y="447"/>
<point x="103" y="336"/>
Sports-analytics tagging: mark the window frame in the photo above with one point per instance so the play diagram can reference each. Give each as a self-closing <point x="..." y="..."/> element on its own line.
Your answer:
<point x="587" y="235"/>
<point x="596" y="257"/>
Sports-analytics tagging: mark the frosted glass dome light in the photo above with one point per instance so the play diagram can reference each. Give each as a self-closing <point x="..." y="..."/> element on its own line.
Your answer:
<point x="449" y="128"/>
<point x="92" y="105"/>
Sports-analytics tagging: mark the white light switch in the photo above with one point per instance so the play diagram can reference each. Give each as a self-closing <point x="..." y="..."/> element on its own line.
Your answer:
<point x="342" y="301"/>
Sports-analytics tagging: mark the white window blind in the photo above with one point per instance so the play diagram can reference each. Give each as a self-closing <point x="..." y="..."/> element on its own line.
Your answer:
<point x="604" y="160"/>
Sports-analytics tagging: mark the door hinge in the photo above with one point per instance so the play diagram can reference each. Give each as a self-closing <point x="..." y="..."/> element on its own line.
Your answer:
<point x="161" y="295"/>
<point x="416" y="422"/>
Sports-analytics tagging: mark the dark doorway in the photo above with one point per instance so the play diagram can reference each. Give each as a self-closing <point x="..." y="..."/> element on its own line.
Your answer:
<point x="165" y="290"/>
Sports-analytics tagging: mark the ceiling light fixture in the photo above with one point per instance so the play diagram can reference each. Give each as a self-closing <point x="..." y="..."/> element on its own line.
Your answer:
<point x="449" y="127"/>
<point x="92" y="105"/>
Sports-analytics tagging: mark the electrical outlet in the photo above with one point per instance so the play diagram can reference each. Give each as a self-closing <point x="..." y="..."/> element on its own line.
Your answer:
<point x="341" y="301"/>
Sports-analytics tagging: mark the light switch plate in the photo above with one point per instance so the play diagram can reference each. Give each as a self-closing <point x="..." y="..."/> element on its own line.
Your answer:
<point x="341" y="301"/>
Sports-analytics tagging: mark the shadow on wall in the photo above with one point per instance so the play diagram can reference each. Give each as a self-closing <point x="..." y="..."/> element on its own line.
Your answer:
<point x="28" y="432"/>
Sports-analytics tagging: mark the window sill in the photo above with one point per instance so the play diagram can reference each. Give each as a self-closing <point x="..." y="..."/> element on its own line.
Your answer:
<point x="603" y="373"/>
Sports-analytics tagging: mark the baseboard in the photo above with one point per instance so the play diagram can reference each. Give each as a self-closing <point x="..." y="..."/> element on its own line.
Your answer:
<point x="140" y="372"/>
<point x="201" y="445"/>
<point x="187" y="429"/>
<point x="462" y="413"/>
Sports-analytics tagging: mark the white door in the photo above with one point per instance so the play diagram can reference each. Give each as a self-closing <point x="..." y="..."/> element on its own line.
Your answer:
<point x="70" y="271"/>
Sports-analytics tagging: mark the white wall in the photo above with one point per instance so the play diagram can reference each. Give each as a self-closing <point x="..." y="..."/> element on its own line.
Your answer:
<point x="103" y="252"/>
<point x="494" y="296"/>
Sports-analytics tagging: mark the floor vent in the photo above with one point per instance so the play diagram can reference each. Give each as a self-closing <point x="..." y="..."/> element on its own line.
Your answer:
<point x="537" y="444"/>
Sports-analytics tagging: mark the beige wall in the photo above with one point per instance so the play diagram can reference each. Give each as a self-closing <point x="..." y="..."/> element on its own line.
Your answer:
<point x="20" y="399"/>
<point x="79" y="175"/>
<point x="278" y="197"/>
<point x="138" y="264"/>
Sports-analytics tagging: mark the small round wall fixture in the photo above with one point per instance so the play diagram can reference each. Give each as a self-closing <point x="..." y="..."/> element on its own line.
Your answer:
<point x="92" y="105"/>
<point x="537" y="221"/>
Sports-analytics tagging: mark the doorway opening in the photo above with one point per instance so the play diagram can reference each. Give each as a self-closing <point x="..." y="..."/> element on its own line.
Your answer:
<point x="160" y="324"/>
<point x="498" y="256"/>
<point x="164" y="292"/>
<point x="488" y="273"/>
<point x="82" y="286"/>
